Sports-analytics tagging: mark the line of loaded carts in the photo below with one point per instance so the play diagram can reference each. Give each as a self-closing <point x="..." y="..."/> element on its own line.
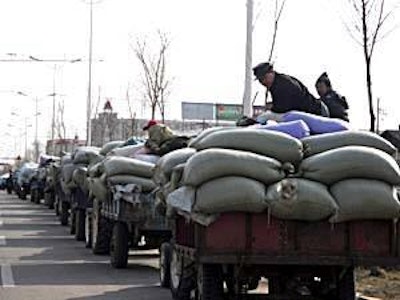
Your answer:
<point x="239" y="207"/>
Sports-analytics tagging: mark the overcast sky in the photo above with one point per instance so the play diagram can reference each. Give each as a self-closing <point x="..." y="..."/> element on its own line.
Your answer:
<point x="206" y="57"/>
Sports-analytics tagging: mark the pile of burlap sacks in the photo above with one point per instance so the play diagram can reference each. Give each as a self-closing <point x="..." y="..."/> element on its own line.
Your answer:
<point x="74" y="168"/>
<point x="121" y="166"/>
<point x="340" y="176"/>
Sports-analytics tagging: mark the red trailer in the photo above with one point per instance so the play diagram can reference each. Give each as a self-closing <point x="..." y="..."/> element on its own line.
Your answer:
<point x="301" y="260"/>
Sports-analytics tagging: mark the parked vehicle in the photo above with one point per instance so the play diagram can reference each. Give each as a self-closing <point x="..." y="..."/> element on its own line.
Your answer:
<point x="128" y="222"/>
<point x="301" y="260"/>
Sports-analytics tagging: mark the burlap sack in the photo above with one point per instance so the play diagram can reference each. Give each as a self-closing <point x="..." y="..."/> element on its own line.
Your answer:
<point x="147" y="185"/>
<point x="350" y="162"/>
<point x="300" y="199"/>
<point x="79" y="176"/>
<point x="110" y="146"/>
<point x="163" y="169"/>
<point x="361" y="199"/>
<point x="273" y="144"/>
<point x="128" y="166"/>
<point x="193" y="143"/>
<point x="127" y="151"/>
<point x="323" y="142"/>
<point x="86" y="155"/>
<point x="215" y="163"/>
<point x="230" y="194"/>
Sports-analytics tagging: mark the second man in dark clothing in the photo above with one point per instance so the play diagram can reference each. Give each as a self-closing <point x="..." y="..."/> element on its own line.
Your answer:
<point x="336" y="103"/>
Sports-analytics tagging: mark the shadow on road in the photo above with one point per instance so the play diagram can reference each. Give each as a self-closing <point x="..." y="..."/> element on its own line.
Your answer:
<point x="138" y="292"/>
<point x="83" y="274"/>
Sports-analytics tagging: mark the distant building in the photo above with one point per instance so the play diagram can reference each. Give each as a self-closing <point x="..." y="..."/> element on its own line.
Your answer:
<point x="108" y="127"/>
<point x="58" y="146"/>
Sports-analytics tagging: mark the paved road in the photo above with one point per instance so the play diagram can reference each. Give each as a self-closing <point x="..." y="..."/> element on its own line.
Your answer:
<point x="40" y="260"/>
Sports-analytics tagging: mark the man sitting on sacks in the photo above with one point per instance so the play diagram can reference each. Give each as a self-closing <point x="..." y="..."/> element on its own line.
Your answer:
<point x="161" y="140"/>
<point x="288" y="93"/>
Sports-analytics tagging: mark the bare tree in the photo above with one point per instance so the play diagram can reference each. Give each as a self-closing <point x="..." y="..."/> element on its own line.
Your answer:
<point x="367" y="27"/>
<point x="155" y="80"/>
<point x="279" y="6"/>
<point x="132" y="114"/>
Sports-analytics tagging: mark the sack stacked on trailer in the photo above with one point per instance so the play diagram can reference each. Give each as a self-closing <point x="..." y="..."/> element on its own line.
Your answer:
<point x="125" y="170"/>
<point x="360" y="171"/>
<point x="233" y="167"/>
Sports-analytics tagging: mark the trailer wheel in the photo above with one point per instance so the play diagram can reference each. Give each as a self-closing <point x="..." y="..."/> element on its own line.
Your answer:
<point x="346" y="286"/>
<point x="80" y="224"/>
<point x="64" y="213"/>
<point x="37" y="196"/>
<point x="49" y="200"/>
<point x="57" y="205"/>
<point x="165" y="265"/>
<point x="88" y="230"/>
<point x="72" y="229"/>
<point x="209" y="282"/>
<point x="181" y="285"/>
<point x="119" y="245"/>
<point x="22" y="194"/>
<point x="101" y="233"/>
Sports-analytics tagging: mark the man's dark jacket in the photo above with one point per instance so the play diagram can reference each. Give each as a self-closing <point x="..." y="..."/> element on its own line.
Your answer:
<point x="337" y="105"/>
<point x="288" y="93"/>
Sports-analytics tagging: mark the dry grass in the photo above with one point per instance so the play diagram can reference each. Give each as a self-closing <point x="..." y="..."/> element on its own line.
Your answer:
<point x="386" y="287"/>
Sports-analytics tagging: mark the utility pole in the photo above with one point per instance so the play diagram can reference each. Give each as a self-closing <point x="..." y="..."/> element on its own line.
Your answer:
<point x="247" y="109"/>
<point x="89" y="97"/>
<point x="36" y="130"/>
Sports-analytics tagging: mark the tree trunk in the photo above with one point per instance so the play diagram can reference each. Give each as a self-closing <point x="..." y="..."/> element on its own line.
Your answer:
<point x="153" y="111"/>
<point x="370" y="99"/>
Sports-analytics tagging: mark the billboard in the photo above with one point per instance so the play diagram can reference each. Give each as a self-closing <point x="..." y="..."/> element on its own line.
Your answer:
<point x="198" y="111"/>
<point x="228" y="112"/>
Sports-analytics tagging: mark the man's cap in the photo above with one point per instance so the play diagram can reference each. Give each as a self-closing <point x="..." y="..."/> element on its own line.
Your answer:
<point x="323" y="78"/>
<point x="261" y="69"/>
<point x="149" y="124"/>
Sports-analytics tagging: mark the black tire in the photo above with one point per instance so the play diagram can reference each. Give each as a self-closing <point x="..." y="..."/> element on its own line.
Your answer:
<point x="37" y="196"/>
<point x="209" y="282"/>
<point x="57" y="206"/>
<point x="22" y="195"/>
<point x="33" y="196"/>
<point x="72" y="228"/>
<point x="49" y="200"/>
<point x="80" y="224"/>
<point x="181" y="285"/>
<point x="119" y="246"/>
<point x="9" y="191"/>
<point x="64" y="213"/>
<point x="346" y="285"/>
<point x="101" y="233"/>
<point x="165" y="265"/>
<point x="88" y="230"/>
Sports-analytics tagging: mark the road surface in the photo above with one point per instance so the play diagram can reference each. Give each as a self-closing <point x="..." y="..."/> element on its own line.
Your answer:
<point x="40" y="260"/>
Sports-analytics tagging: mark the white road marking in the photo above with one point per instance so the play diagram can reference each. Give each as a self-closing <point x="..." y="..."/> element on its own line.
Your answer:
<point x="2" y="240"/>
<point x="7" y="277"/>
<point x="1" y="223"/>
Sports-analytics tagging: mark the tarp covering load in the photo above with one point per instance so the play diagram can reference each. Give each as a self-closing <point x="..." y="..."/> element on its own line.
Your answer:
<point x="317" y="124"/>
<point x="300" y="199"/>
<point x="98" y="188"/>
<point x="26" y="173"/>
<point x="68" y="170"/>
<point x="351" y="162"/>
<point x="214" y="163"/>
<point x="97" y="169"/>
<point x="230" y="194"/>
<point x="360" y="199"/>
<point x="146" y="185"/>
<point x="66" y="159"/>
<point x="165" y="165"/>
<point x="128" y="166"/>
<point x="86" y="155"/>
<point x="320" y="143"/>
<point x="298" y="129"/>
<point x="264" y="142"/>
<point x="110" y="146"/>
